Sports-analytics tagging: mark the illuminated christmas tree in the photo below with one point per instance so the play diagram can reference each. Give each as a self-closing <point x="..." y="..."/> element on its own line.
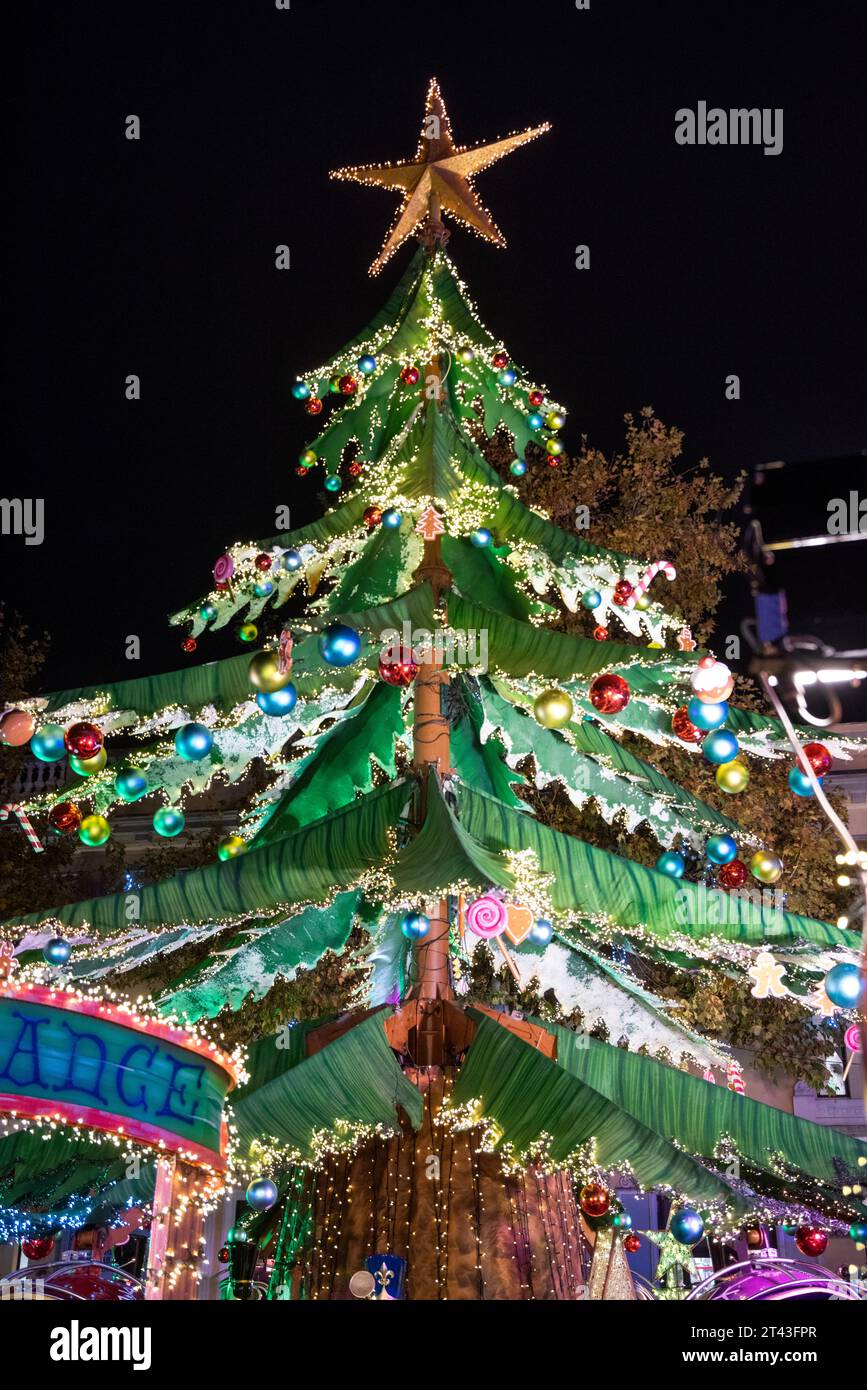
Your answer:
<point x="399" y="711"/>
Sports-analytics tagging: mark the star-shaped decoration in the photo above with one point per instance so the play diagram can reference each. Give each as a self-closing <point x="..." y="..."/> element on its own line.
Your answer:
<point x="673" y="1256"/>
<point x="439" y="178"/>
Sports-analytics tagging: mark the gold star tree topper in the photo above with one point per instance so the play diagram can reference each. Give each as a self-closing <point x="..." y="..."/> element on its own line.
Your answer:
<point x="439" y="179"/>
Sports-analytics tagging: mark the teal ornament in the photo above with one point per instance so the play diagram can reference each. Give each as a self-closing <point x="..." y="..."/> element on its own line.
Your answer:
<point x="301" y="391"/>
<point x="339" y="644"/>
<point x="207" y="612"/>
<point x="263" y="588"/>
<point x="261" y="1194"/>
<point x="800" y="783"/>
<point x="518" y="468"/>
<point x="333" y="483"/>
<point x="844" y="986"/>
<point x="277" y="703"/>
<point x="706" y="715"/>
<point x="534" y="420"/>
<point x="292" y="560"/>
<point x="721" y="849"/>
<point x="720" y="747"/>
<point x="622" y="1221"/>
<point x="168" y="821"/>
<point x="858" y="1231"/>
<point x="591" y="599"/>
<point x="686" y="1226"/>
<point x="366" y="365"/>
<point x="392" y="519"/>
<point x="47" y="744"/>
<point x="415" y="925"/>
<point x="507" y="377"/>
<point x="56" y="951"/>
<point x="541" y="932"/>
<point x="193" y="742"/>
<point x="671" y="863"/>
<point x="130" y="784"/>
<point x="481" y="538"/>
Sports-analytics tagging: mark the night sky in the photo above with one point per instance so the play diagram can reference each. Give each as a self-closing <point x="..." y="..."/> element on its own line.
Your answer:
<point x="157" y="258"/>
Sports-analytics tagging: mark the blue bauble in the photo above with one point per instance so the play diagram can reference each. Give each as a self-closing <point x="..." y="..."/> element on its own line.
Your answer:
<point x="518" y="468"/>
<point x="300" y="391"/>
<point x="130" y="784"/>
<point x="622" y="1221"/>
<point x="721" y="849"/>
<point x="261" y="1194"/>
<point x="591" y="599"/>
<point x="686" y="1226"/>
<point x="276" y="703"/>
<point x="168" y="821"/>
<point x="333" y="483"/>
<point x="720" y="747"/>
<point x="858" y="1231"/>
<point x="193" y="742"/>
<point x="367" y="364"/>
<point x="541" y="932"/>
<point x="392" y="519"/>
<point x="47" y="744"/>
<point x="481" y="537"/>
<point x="56" y="951"/>
<point x="507" y="377"/>
<point x="207" y="612"/>
<point x="339" y="644"/>
<point x="415" y="925"/>
<point x="671" y="863"/>
<point x="843" y="985"/>
<point x="263" y="588"/>
<point x="800" y="783"/>
<point x="705" y="715"/>
<point x="535" y="421"/>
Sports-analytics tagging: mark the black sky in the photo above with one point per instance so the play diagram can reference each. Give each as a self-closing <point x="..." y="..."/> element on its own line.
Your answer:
<point x="157" y="257"/>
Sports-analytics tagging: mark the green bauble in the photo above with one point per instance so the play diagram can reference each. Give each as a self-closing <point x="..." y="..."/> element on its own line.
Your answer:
<point x="333" y="483"/>
<point x="130" y="784"/>
<point x="767" y="868"/>
<point x="94" y="830"/>
<point x="86" y="767"/>
<point x="231" y="847"/>
<point x="168" y="821"/>
<point x="265" y="672"/>
<point x="553" y="709"/>
<point x="732" y="777"/>
<point x="248" y="632"/>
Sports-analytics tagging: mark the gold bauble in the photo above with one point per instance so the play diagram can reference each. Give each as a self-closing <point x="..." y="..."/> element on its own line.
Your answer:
<point x="732" y="777"/>
<point x="767" y="868"/>
<point x="86" y="767"/>
<point x="553" y="709"/>
<point x="265" y="672"/>
<point x="231" y="847"/>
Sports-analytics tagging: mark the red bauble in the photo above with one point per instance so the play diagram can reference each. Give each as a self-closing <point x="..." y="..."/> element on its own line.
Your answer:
<point x="733" y="874"/>
<point x="38" y="1247"/>
<point x="810" y="1240"/>
<point x="536" y="398"/>
<point x="83" y="739"/>
<point x="553" y="461"/>
<point x="348" y="385"/>
<point x="223" y="1254"/>
<point x="65" y="818"/>
<point x="302" y="473"/>
<point x="500" y="360"/>
<point x="594" y="1199"/>
<point x="263" y="561"/>
<point x="817" y="755"/>
<point x="189" y="644"/>
<point x="409" y="376"/>
<point x="622" y="592"/>
<point x="609" y="693"/>
<point x="314" y="406"/>
<point x="397" y="666"/>
<point x="682" y="725"/>
<point x="600" y="633"/>
<point x="632" y="1243"/>
<point x="355" y="468"/>
<point x="372" y="516"/>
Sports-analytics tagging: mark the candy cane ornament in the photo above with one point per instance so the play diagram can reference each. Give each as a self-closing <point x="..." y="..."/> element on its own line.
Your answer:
<point x="9" y="808"/>
<point x="659" y="566"/>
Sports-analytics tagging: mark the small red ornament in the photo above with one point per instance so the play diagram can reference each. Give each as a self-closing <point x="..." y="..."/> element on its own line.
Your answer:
<point x="622" y="592"/>
<point x="553" y="461"/>
<point x="223" y="584"/>
<point x="536" y="398"/>
<point x="500" y="360"/>
<point x="632" y="1243"/>
<point x="302" y="473"/>
<point x="594" y="1199"/>
<point x="372" y="516"/>
<point x="64" y="818"/>
<point x="348" y="386"/>
<point x="409" y="376"/>
<point x="810" y="1240"/>
<point x="609" y="693"/>
<point x="223" y="1254"/>
<point x="314" y="406"/>
<point x="733" y="874"/>
<point x="83" y="740"/>
<point x="397" y="666"/>
<point x="263" y="561"/>
<point x="600" y="633"/>
<point x="355" y="468"/>
<point x="682" y="725"/>
<point x="817" y="755"/>
<point x="189" y="644"/>
<point x="38" y="1247"/>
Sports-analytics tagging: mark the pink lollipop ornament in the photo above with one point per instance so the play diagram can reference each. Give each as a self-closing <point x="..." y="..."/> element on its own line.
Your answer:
<point x="487" y="917"/>
<point x="224" y="568"/>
